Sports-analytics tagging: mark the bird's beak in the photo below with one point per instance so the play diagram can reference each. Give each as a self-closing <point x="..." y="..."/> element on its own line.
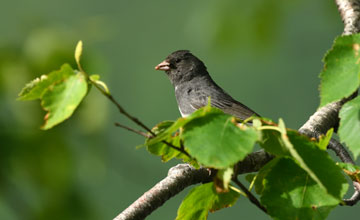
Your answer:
<point x="164" y="65"/>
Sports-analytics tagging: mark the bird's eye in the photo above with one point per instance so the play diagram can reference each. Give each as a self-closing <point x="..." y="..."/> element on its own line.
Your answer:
<point x="177" y="60"/>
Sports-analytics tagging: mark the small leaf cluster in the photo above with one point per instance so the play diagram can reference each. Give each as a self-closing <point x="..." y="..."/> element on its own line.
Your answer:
<point x="340" y="79"/>
<point x="60" y="91"/>
<point x="294" y="185"/>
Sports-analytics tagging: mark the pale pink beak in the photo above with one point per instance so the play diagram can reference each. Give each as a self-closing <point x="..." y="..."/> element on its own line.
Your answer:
<point x="164" y="65"/>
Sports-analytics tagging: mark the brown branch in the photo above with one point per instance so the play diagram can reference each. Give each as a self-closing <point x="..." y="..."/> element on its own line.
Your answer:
<point x="250" y="196"/>
<point x="178" y="178"/>
<point x="350" y="14"/>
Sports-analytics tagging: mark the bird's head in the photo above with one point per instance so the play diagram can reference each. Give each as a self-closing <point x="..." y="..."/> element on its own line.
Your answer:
<point x="182" y="66"/>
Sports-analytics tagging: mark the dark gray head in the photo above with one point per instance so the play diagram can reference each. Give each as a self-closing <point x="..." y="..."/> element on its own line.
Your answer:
<point x="182" y="66"/>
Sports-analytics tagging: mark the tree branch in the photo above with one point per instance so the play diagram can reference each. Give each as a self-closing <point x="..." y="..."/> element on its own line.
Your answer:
<point x="321" y="121"/>
<point x="350" y="14"/>
<point x="178" y="178"/>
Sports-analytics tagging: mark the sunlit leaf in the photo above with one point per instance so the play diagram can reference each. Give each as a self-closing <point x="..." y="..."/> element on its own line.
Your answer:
<point x="36" y="88"/>
<point x="203" y="199"/>
<point x="78" y="53"/>
<point x="61" y="99"/>
<point x="341" y="74"/>
<point x="324" y="140"/>
<point x="216" y="141"/>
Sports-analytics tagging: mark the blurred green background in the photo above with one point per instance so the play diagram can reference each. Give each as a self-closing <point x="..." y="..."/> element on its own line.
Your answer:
<point x="266" y="53"/>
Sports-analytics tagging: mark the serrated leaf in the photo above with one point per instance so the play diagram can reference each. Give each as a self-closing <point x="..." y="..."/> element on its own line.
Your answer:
<point x="324" y="140"/>
<point x="203" y="199"/>
<point x="349" y="130"/>
<point x="61" y="99"/>
<point x="316" y="162"/>
<point x="340" y="76"/>
<point x="290" y="193"/>
<point x="320" y="164"/>
<point x="36" y="88"/>
<point x="214" y="140"/>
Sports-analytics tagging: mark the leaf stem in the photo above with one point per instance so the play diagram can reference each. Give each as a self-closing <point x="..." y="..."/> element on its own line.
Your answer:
<point x="250" y="196"/>
<point x="122" y="110"/>
<point x="266" y="127"/>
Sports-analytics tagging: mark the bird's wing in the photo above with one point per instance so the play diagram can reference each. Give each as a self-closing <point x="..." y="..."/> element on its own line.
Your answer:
<point x="223" y="102"/>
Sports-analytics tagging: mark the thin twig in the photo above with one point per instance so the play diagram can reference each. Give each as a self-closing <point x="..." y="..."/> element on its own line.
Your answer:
<point x="122" y="110"/>
<point x="133" y="130"/>
<point x="136" y="121"/>
<point x="250" y="196"/>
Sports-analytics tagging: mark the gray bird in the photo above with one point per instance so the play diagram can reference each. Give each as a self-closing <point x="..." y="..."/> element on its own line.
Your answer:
<point x="193" y="85"/>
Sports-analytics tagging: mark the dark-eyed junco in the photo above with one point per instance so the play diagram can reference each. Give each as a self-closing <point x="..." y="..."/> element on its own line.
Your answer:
<point x="193" y="85"/>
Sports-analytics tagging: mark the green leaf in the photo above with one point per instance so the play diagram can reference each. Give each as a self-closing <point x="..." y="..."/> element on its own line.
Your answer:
<point x="61" y="99"/>
<point x="324" y="140"/>
<point x="318" y="164"/>
<point x="290" y="193"/>
<point x="36" y="88"/>
<point x="203" y="199"/>
<point x="340" y="76"/>
<point x="351" y="170"/>
<point x="263" y="172"/>
<point x="215" y="140"/>
<point x="162" y="149"/>
<point x="349" y="130"/>
<point x="181" y="122"/>
<point x="272" y="142"/>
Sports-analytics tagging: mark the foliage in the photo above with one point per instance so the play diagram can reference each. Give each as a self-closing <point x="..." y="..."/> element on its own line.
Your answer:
<point x="204" y="199"/>
<point x="294" y="185"/>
